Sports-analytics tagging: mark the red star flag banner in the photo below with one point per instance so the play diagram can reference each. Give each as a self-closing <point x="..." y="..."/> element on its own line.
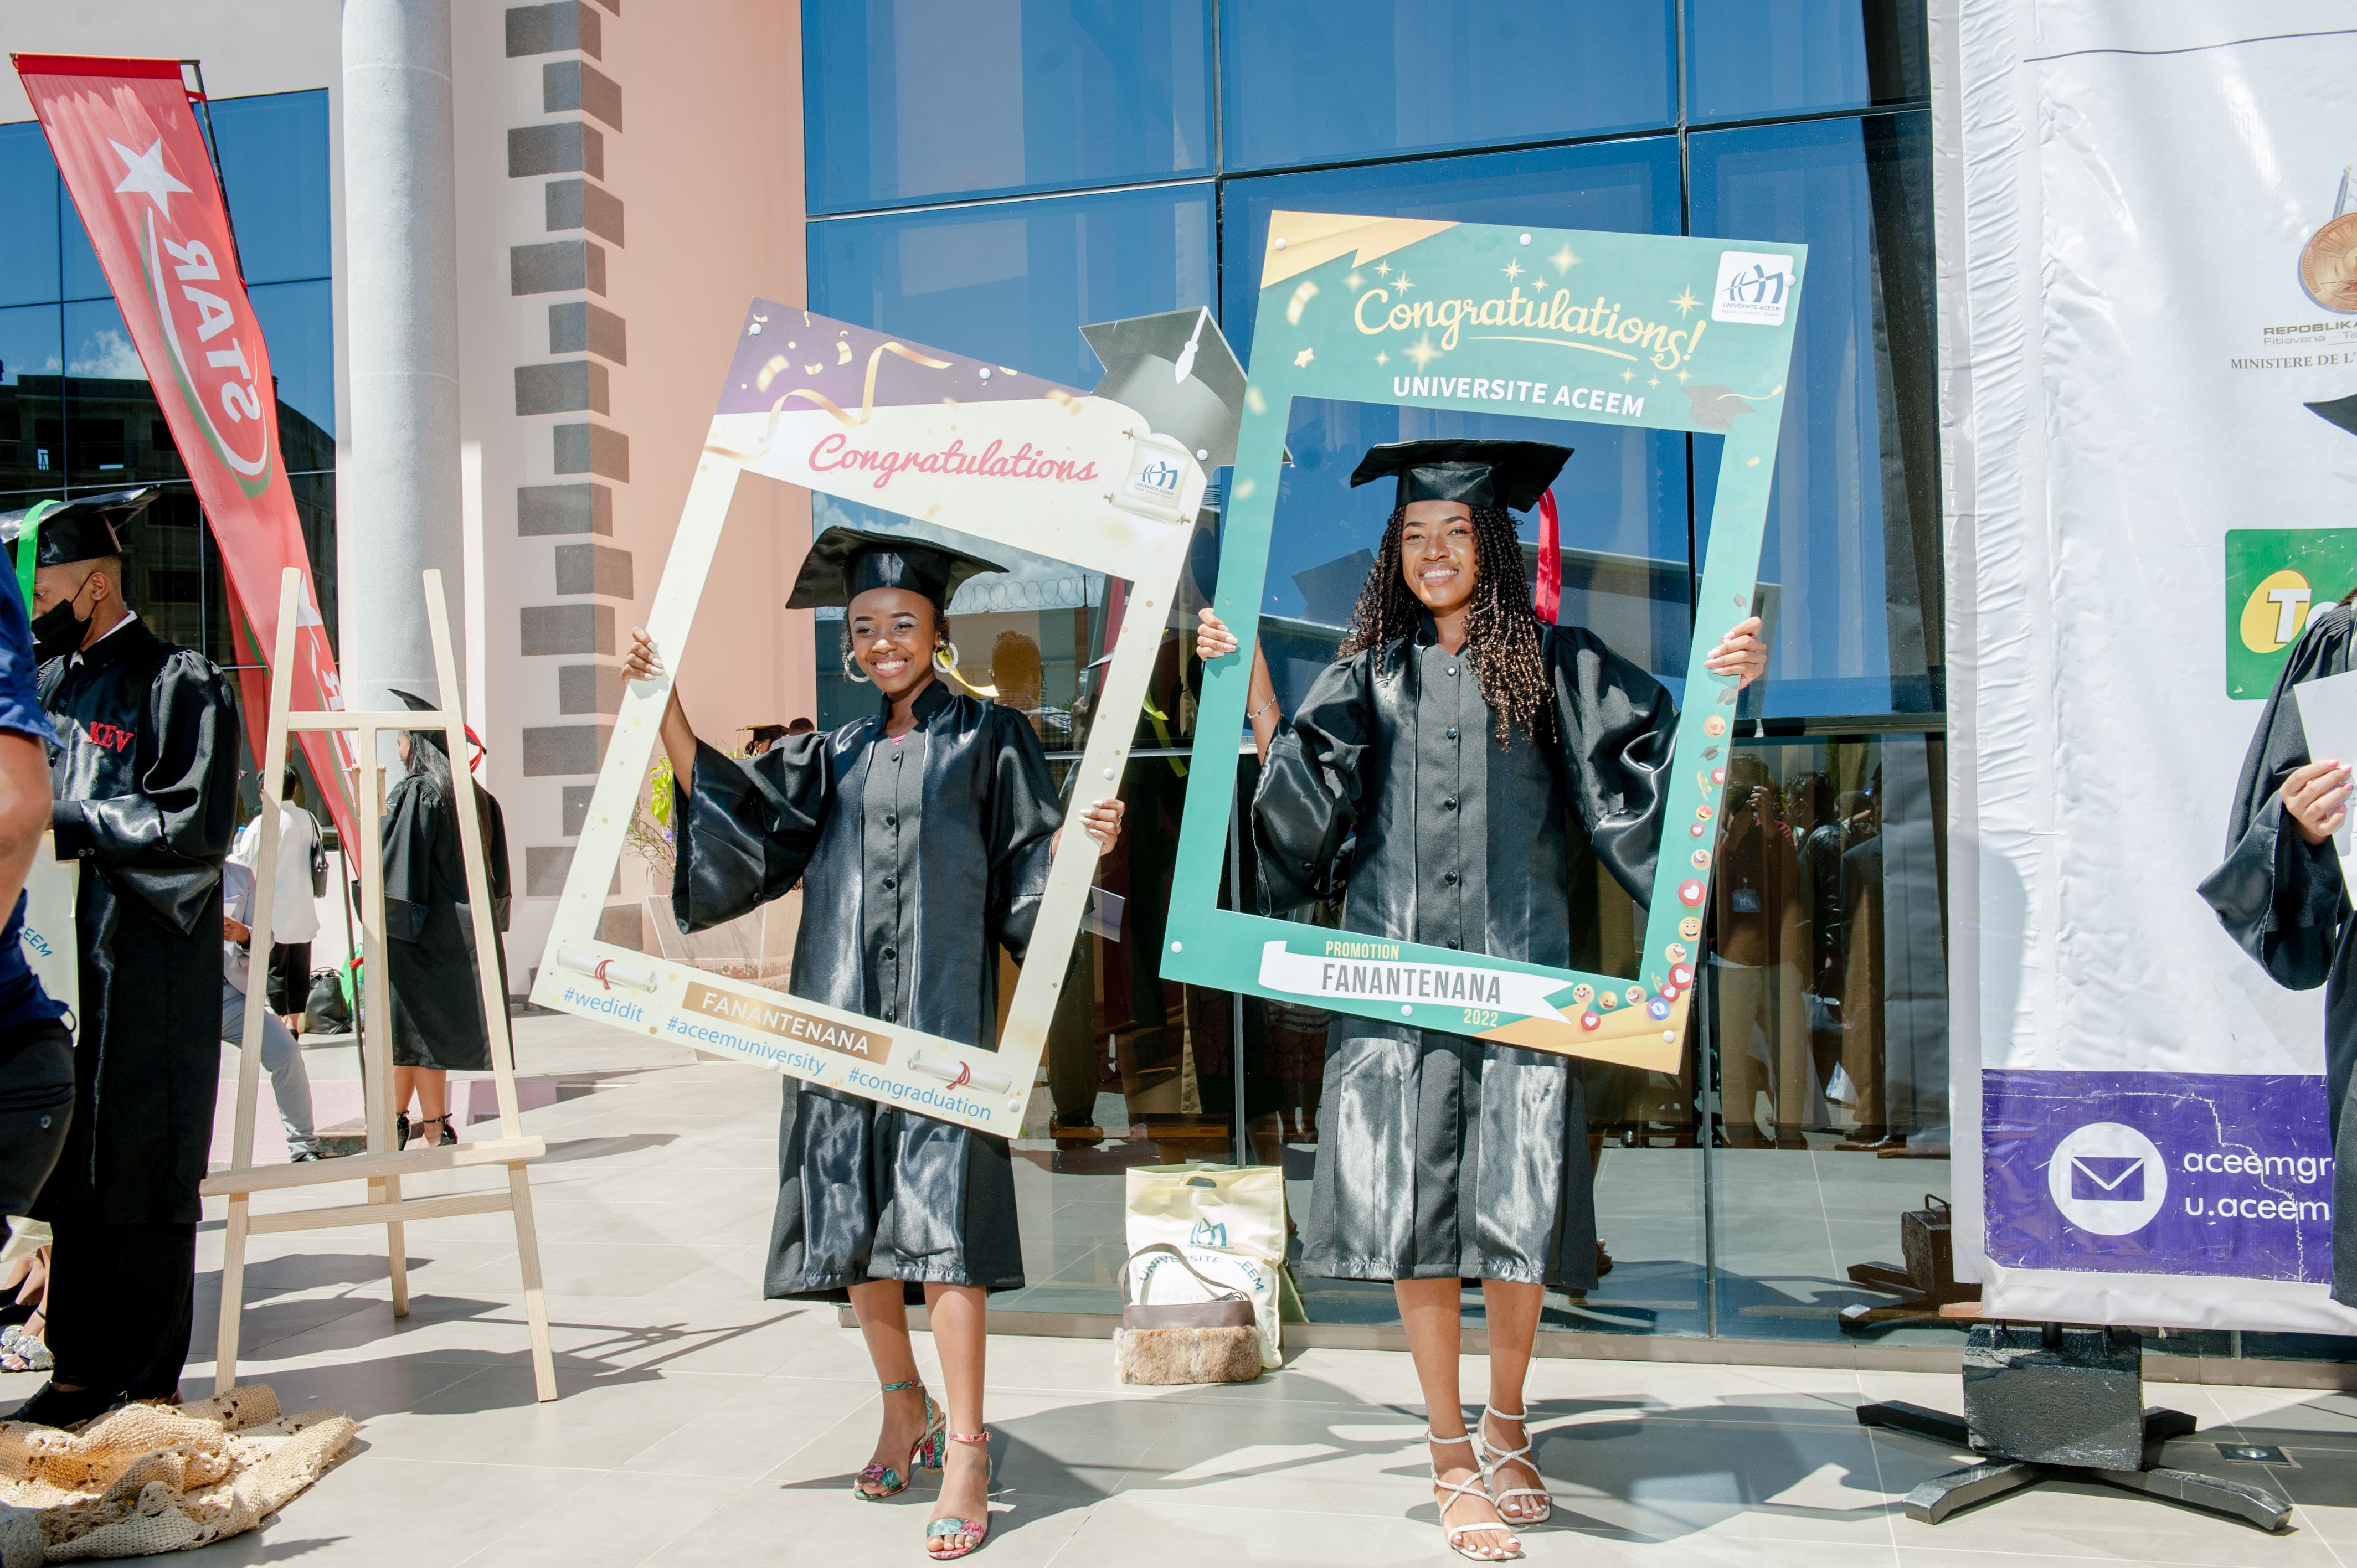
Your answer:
<point x="126" y="141"/>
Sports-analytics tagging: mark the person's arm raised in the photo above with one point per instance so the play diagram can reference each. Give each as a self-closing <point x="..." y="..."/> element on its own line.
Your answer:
<point x="643" y="663"/>
<point x="1214" y="640"/>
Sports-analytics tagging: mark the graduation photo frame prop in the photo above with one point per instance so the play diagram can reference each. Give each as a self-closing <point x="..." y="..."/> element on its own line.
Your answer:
<point x="999" y="456"/>
<point x="1631" y="330"/>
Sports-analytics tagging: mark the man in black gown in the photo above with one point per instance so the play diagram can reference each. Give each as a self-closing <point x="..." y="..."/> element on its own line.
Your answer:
<point x="144" y="775"/>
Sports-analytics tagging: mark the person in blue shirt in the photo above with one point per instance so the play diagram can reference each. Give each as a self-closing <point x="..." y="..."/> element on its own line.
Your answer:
<point x="37" y="1079"/>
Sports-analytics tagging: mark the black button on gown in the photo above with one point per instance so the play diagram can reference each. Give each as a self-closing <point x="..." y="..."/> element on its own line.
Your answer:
<point x="1442" y="1156"/>
<point x="920" y="860"/>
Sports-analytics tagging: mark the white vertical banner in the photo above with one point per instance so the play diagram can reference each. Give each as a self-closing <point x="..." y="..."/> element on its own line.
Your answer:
<point x="2135" y="310"/>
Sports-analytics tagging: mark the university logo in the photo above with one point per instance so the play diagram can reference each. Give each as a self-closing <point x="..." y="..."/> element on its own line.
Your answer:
<point x="1753" y="287"/>
<point x="1158" y="478"/>
<point x="1207" y="1233"/>
<point x="2108" y="1179"/>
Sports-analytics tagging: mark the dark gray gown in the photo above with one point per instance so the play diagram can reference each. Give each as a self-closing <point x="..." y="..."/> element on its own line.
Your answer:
<point x="436" y="997"/>
<point x="919" y="859"/>
<point x="1441" y="1156"/>
<point x="2285" y="902"/>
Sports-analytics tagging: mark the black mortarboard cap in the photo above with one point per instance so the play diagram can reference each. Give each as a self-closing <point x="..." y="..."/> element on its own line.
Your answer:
<point x="844" y="563"/>
<point x="86" y="527"/>
<point x="1509" y="474"/>
<point x="2340" y="410"/>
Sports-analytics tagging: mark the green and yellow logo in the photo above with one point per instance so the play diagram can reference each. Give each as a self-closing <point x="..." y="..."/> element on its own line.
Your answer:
<point x="2275" y="578"/>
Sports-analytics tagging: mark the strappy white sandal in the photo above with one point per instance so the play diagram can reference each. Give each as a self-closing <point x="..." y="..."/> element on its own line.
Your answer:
<point x="1493" y="1459"/>
<point x="1475" y="1488"/>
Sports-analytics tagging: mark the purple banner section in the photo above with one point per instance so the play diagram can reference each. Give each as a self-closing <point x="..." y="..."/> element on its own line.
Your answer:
<point x="786" y="357"/>
<point x="2155" y="1173"/>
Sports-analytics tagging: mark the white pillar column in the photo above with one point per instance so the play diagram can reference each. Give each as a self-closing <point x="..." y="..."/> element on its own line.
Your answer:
<point x="398" y="504"/>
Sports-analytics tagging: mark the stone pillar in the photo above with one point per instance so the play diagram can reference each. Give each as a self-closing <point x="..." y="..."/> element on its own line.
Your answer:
<point x="397" y="504"/>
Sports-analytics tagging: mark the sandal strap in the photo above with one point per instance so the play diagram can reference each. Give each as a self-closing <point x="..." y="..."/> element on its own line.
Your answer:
<point x="942" y="1527"/>
<point x="898" y="1388"/>
<point x="982" y="1436"/>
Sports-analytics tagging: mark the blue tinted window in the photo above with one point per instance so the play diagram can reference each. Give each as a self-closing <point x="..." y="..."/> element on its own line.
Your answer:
<point x="1013" y="282"/>
<point x="1851" y="553"/>
<point x="913" y="99"/>
<point x="1751" y="58"/>
<point x="299" y="322"/>
<point x="79" y="275"/>
<point x="274" y="158"/>
<point x="29" y="194"/>
<point x="28" y="342"/>
<point x="1309" y="80"/>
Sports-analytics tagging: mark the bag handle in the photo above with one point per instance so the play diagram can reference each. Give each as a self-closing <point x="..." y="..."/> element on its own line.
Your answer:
<point x="1219" y="1291"/>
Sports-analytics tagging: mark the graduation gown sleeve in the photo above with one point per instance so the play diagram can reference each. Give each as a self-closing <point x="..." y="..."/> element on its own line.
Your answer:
<point x="1311" y="787"/>
<point x="2281" y="898"/>
<point x="161" y="841"/>
<point x="1024" y="816"/>
<point x="1617" y="724"/>
<point x="746" y="828"/>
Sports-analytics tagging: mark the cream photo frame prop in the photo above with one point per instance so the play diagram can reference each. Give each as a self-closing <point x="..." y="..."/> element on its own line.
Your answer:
<point x="992" y="453"/>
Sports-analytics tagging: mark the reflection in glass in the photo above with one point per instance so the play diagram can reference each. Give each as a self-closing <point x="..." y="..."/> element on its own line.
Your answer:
<point x="1316" y="80"/>
<point x="29" y="195"/>
<point x="1012" y="283"/>
<point x="1078" y="93"/>
<point x="1852" y="536"/>
<point x="274" y="164"/>
<point x="299" y="322"/>
<point x="1824" y="996"/>
<point x="1751" y="58"/>
<point x="32" y="415"/>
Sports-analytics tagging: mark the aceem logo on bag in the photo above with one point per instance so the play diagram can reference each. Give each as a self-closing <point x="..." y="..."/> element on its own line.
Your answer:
<point x="1753" y="287"/>
<point x="2108" y="1179"/>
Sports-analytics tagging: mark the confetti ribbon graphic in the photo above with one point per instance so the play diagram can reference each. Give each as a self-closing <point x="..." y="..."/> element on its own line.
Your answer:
<point x="777" y="366"/>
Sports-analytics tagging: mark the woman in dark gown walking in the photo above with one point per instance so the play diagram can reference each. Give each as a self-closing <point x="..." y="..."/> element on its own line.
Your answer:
<point x="1425" y="780"/>
<point x="922" y="835"/>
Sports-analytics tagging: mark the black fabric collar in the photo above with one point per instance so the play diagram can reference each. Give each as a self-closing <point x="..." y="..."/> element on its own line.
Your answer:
<point x="118" y="643"/>
<point x="931" y="701"/>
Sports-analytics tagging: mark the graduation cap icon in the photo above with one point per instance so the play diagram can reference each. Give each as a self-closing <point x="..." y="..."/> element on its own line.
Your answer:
<point x="2340" y="411"/>
<point x="1177" y="370"/>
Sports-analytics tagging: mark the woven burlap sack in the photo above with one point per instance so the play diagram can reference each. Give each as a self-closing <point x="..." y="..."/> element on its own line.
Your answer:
<point x="150" y="1479"/>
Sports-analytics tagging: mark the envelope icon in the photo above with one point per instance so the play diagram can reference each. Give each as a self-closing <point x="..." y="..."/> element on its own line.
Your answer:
<point x="2107" y="1178"/>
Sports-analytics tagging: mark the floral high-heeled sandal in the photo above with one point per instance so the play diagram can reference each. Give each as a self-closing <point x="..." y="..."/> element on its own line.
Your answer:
<point x="925" y="1454"/>
<point x="945" y="1529"/>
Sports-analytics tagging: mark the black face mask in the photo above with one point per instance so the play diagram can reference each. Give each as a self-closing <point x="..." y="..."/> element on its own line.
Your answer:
<point x="58" y="630"/>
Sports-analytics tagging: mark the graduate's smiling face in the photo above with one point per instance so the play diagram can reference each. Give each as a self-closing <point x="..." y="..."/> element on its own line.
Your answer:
<point x="893" y="635"/>
<point x="1438" y="555"/>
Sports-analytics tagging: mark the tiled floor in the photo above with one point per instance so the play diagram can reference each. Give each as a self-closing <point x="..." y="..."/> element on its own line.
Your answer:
<point x="700" y="1424"/>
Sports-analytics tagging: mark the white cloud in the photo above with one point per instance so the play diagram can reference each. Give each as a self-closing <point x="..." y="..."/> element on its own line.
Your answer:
<point x="107" y="353"/>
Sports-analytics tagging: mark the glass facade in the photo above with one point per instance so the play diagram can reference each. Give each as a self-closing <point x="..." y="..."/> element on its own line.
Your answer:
<point x="77" y="414"/>
<point x="1810" y="1112"/>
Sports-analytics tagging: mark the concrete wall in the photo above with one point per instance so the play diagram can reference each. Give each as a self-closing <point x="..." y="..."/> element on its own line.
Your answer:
<point x="637" y="166"/>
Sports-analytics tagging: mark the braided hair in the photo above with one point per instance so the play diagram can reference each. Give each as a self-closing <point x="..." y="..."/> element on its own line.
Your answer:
<point x="1502" y="637"/>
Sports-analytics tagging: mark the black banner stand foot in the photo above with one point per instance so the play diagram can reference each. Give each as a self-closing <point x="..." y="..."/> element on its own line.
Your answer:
<point x="2018" y="1384"/>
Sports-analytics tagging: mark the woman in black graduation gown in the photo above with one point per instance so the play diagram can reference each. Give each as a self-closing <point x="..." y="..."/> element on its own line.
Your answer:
<point x="2281" y="896"/>
<point x="1425" y="780"/>
<point x="437" y="1002"/>
<point x="921" y="835"/>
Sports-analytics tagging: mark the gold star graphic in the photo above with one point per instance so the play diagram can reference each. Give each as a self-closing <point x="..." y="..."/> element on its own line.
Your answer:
<point x="1512" y="269"/>
<point x="1628" y="375"/>
<point x="1383" y="269"/>
<point x="1652" y="380"/>
<point x="1403" y="284"/>
<point x="1354" y="280"/>
<point x="1383" y="359"/>
<point x="1685" y="302"/>
<point x="1303" y="358"/>
<point x="1563" y="260"/>
<point x="1423" y="353"/>
<point x="1682" y="378"/>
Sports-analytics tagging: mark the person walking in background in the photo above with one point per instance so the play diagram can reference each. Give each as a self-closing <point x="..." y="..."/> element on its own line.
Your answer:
<point x="294" y="911"/>
<point x="437" y="1002"/>
<point x="282" y="1055"/>
<point x="144" y="779"/>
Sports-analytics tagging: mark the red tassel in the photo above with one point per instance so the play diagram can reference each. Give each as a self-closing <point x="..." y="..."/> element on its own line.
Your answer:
<point x="1547" y="597"/>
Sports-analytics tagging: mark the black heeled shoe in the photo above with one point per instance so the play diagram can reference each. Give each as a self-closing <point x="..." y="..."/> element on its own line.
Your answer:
<point x="53" y="1406"/>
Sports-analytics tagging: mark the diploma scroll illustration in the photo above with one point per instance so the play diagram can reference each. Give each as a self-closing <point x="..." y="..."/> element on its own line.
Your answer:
<point x="1643" y="331"/>
<point x="992" y="453"/>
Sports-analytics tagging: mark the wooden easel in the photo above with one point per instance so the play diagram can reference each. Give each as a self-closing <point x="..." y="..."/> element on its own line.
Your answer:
<point x="383" y="1165"/>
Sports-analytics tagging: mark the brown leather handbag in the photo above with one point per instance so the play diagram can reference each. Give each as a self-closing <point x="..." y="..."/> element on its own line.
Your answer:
<point x="1211" y="1341"/>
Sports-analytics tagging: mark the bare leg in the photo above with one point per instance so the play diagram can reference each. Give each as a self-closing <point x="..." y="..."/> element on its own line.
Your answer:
<point x="884" y="1324"/>
<point x="1513" y="1314"/>
<point x="1429" y="1310"/>
<point x="961" y="1334"/>
<point x="433" y="1102"/>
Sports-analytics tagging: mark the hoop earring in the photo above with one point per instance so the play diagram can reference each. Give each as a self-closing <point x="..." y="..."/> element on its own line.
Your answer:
<point x="951" y="668"/>
<point x="851" y="670"/>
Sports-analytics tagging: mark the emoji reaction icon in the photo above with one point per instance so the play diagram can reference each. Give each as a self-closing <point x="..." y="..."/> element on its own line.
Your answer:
<point x="1702" y="814"/>
<point x="1658" y="1008"/>
<point x="1714" y="726"/>
<point x="1583" y="993"/>
<point x="1690" y="892"/>
<point x="1690" y="927"/>
<point x="1718" y="774"/>
<point x="1589" y="1020"/>
<point x="1607" y="1000"/>
<point x="1697" y="830"/>
<point x="1636" y="995"/>
<point x="1702" y="860"/>
<point x="1676" y="952"/>
<point x="1683" y="973"/>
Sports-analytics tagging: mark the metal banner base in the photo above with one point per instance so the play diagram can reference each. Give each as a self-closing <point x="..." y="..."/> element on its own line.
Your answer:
<point x="1942" y="1496"/>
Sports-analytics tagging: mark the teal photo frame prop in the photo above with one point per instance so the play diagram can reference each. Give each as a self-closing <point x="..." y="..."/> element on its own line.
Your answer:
<point x="1652" y="331"/>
